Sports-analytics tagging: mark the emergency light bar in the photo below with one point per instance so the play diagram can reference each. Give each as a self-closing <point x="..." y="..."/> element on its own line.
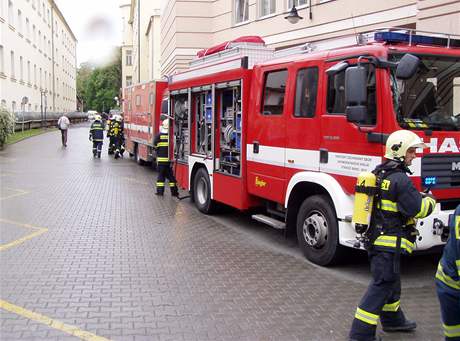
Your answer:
<point x="397" y="37"/>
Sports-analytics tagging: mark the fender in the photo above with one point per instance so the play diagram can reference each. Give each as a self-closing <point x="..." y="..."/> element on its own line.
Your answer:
<point x="343" y="203"/>
<point x="202" y="161"/>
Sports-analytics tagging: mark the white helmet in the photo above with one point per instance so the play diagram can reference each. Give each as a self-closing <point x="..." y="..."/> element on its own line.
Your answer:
<point x="164" y="128"/>
<point x="97" y="117"/>
<point x="399" y="142"/>
<point x="118" y="118"/>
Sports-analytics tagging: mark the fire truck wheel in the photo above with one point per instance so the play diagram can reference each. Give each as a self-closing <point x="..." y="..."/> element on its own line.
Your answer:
<point x="202" y="192"/>
<point x="317" y="230"/>
<point x="137" y="157"/>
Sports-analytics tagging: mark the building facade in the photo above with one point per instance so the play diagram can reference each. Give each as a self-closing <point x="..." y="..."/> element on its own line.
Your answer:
<point x="188" y="26"/>
<point x="141" y="41"/>
<point x="37" y="57"/>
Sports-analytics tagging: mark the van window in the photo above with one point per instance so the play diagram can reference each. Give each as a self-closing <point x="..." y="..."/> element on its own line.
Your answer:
<point x="306" y="90"/>
<point x="336" y="95"/>
<point x="274" y="92"/>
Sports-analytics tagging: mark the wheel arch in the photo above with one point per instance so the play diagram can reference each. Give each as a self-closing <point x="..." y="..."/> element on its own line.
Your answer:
<point x="195" y="167"/>
<point x="305" y="184"/>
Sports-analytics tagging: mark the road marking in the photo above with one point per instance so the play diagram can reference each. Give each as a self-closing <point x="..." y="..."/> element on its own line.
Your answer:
<point x="66" y="328"/>
<point x="39" y="231"/>
<point x="21" y="192"/>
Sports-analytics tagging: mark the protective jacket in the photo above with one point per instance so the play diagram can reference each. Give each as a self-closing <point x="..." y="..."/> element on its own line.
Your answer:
<point x="116" y="129"/>
<point x="161" y="143"/>
<point x="97" y="131"/>
<point x="398" y="204"/>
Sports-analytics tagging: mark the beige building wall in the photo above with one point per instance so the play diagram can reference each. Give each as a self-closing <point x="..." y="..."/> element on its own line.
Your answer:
<point x="154" y="46"/>
<point x="126" y="44"/>
<point x="190" y="25"/>
<point x="37" y="57"/>
<point x="141" y="12"/>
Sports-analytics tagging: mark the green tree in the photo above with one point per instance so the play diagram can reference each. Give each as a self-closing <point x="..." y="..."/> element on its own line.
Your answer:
<point x="97" y="86"/>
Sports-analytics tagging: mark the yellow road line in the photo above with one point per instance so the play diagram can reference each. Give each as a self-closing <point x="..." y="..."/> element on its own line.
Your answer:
<point x="39" y="231"/>
<point x="72" y="330"/>
<point x="21" y="192"/>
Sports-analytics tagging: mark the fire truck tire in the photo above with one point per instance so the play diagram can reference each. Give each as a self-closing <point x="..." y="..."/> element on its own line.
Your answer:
<point x="202" y="192"/>
<point x="137" y="157"/>
<point x="317" y="231"/>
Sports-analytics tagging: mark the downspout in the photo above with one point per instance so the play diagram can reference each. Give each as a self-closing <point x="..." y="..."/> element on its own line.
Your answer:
<point x="52" y="54"/>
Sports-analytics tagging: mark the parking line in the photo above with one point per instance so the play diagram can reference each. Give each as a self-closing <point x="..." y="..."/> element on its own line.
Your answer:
<point x="39" y="231"/>
<point x="72" y="330"/>
<point x="21" y="192"/>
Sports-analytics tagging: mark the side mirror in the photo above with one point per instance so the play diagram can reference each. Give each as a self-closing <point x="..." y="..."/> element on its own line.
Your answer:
<point x="356" y="94"/>
<point x="337" y="68"/>
<point x="407" y="66"/>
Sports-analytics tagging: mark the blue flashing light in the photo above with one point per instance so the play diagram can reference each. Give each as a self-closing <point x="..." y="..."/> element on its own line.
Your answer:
<point x="429" y="181"/>
<point x="397" y="37"/>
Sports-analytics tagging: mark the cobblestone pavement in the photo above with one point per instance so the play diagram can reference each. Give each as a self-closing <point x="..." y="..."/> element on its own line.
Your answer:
<point x="88" y="252"/>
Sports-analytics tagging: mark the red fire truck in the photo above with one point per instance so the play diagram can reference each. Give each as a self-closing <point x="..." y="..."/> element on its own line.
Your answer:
<point x="290" y="131"/>
<point x="142" y="110"/>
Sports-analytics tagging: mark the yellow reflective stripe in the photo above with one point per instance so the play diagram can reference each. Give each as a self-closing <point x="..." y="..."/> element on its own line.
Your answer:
<point x="426" y="204"/>
<point x="446" y="279"/>
<point x="162" y="159"/>
<point x="172" y="184"/>
<point x="366" y="317"/>
<point x="390" y="241"/>
<point x="162" y="144"/>
<point x="388" y="205"/>
<point x="457" y="262"/>
<point x="393" y="307"/>
<point x="451" y="331"/>
<point x="457" y="227"/>
<point x="164" y="137"/>
<point x="160" y="184"/>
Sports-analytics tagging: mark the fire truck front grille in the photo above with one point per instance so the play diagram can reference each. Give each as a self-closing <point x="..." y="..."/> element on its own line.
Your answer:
<point x="441" y="171"/>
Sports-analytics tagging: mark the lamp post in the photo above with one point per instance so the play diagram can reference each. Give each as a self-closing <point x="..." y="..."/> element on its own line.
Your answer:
<point x="43" y="104"/>
<point x="24" y="101"/>
<point x="117" y="101"/>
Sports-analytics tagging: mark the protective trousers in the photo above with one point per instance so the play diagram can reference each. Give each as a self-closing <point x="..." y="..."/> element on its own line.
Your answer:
<point x="449" y="298"/>
<point x="165" y="172"/>
<point x="381" y="299"/>
<point x="97" y="147"/>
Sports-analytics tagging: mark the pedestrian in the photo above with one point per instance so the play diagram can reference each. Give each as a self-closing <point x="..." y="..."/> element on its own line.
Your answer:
<point x="448" y="280"/>
<point x="161" y="144"/>
<point x="63" y="124"/>
<point x="396" y="206"/>
<point x="96" y="134"/>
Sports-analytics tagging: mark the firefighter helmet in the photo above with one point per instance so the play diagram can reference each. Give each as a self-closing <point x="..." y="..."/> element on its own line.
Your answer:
<point x="164" y="128"/>
<point x="97" y="117"/>
<point x="399" y="142"/>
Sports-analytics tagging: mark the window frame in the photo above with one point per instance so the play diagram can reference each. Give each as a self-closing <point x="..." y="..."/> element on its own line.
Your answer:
<point x="263" y="104"/>
<point x="236" y="10"/>
<point x="308" y="114"/>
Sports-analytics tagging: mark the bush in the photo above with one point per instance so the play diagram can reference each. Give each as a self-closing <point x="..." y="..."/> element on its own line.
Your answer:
<point x="6" y="125"/>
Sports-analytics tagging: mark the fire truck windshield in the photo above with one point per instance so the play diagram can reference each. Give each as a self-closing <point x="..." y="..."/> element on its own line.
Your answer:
<point x="431" y="98"/>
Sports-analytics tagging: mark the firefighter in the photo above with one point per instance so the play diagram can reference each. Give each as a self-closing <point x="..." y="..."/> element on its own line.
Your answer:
<point x="116" y="135"/>
<point x="161" y="143"/>
<point x="448" y="280"/>
<point x="392" y="232"/>
<point x="96" y="134"/>
<point x="111" y="148"/>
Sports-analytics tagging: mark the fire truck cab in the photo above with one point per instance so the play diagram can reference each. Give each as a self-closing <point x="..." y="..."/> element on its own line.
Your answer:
<point x="290" y="131"/>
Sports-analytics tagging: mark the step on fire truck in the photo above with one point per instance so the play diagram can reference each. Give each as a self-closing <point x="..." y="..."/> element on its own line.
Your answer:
<point x="290" y="131"/>
<point x="142" y="113"/>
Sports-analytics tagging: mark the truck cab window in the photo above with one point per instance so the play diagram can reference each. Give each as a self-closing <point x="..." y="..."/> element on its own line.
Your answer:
<point x="274" y="92"/>
<point x="305" y="92"/>
<point x="336" y="95"/>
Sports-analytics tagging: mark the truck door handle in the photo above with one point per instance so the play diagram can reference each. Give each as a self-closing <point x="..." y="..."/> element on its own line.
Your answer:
<point x="255" y="147"/>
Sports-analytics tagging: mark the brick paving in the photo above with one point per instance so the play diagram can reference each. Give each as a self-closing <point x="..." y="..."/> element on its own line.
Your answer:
<point x="121" y="263"/>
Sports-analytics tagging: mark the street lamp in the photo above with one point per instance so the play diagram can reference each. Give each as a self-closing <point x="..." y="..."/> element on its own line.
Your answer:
<point x="117" y="101"/>
<point x="24" y="101"/>
<point x="43" y="104"/>
<point x="293" y="17"/>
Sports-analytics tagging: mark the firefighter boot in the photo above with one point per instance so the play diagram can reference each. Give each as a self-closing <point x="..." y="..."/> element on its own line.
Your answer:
<point x="117" y="154"/>
<point x="407" y="326"/>
<point x="98" y="154"/>
<point x="159" y="193"/>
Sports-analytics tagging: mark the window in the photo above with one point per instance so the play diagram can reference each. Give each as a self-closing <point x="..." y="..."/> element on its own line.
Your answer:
<point x="10" y="13"/>
<point x="19" y="21"/>
<point x="129" y="57"/>
<point x="129" y="80"/>
<point x="306" y="90"/>
<point x="241" y="11"/>
<point x="13" y="71"/>
<point x="28" y="71"/>
<point x="336" y="94"/>
<point x="13" y="107"/>
<point x="41" y="83"/>
<point x="2" y="61"/>
<point x="34" y="34"/>
<point x="35" y="74"/>
<point x="266" y="7"/>
<point x="21" y="68"/>
<point x="27" y="28"/>
<point x="297" y="3"/>
<point x="274" y="91"/>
